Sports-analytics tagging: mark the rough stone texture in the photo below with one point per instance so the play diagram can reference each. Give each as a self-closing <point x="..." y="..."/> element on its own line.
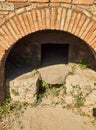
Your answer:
<point x="54" y="74"/>
<point x="80" y="83"/>
<point x="83" y="78"/>
<point x="7" y="6"/>
<point x="91" y="99"/>
<point x="91" y="8"/>
<point x="24" y="88"/>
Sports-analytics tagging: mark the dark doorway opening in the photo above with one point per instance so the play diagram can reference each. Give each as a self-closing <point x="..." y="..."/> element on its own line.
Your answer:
<point x="52" y="54"/>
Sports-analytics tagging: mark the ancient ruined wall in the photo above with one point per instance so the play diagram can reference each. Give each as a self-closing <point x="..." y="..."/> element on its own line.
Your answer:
<point x="8" y="6"/>
<point x="19" y="18"/>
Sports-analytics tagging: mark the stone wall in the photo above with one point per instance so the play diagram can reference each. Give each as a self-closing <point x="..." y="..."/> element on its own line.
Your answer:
<point x="8" y="6"/>
<point x="19" y="18"/>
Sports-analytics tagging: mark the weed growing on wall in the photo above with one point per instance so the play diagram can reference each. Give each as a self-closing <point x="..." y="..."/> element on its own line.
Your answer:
<point x="78" y="96"/>
<point x="83" y="64"/>
<point x="14" y="92"/>
<point x="8" y="107"/>
<point x="5" y="108"/>
<point x="64" y="87"/>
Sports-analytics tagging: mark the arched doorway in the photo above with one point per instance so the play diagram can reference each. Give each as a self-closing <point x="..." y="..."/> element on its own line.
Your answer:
<point x="24" y="22"/>
<point x="44" y="48"/>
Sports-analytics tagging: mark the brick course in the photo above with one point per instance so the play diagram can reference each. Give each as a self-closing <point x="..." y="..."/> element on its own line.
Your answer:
<point x="83" y="2"/>
<point x="61" y="1"/>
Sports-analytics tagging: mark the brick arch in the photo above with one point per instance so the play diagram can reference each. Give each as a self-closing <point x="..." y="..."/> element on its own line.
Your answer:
<point x="29" y="19"/>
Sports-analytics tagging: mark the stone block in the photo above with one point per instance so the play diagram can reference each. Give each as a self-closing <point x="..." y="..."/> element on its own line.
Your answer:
<point x="7" y="6"/>
<point x="23" y="88"/>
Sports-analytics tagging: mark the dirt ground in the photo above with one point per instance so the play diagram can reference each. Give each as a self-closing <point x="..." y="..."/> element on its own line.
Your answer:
<point x="56" y="111"/>
<point x="51" y="118"/>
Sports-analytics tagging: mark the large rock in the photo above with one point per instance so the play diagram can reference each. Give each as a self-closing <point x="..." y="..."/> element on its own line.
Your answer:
<point x="54" y="74"/>
<point x="24" y="88"/>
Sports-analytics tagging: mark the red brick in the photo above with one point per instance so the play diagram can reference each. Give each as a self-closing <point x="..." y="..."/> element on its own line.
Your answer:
<point x="93" y="41"/>
<point x="53" y="18"/>
<point x="63" y="17"/>
<point x="10" y="36"/>
<point x="2" y="21"/>
<point x="43" y="19"/>
<point x="87" y="13"/>
<point x="93" y="35"/>
<point x="18" y="5"/>
<point x="15" y="28"/>
<point x="22" y="22"/>
<point x="87" y="29"/>
<point x="65" y="5"/>
<point x="9" y="16"/>
<point x="18" y="25"/>
<point x="86" y="2"/>
<point x="75" y="8"/>
<point x="94" y="46"/>
<point x="78" y="16"/>
<point x="26" y="23"/>
<point x="4" y="43"/>
<point x="54" y="4"/>
<point x="67" y="21"/>
<point x="93" y="28"/>
<point x="84" y="27"/>
<point x="4" y="38"/>
<point x="43" y="5"/>
<point x="8" y="25"/>
<point x="2" y="50"/>
<point x="39" y="19"/>
<point x="19" y="11"/>
<point x="30" y="21"/>
<point x="81" y="22"/>
<point x="94" y="18"/>
<point x="38" y="0"/>
<point x="3" y="12"/>
<point x="34" y="16"/>
<point x="61" y="1"/>
<point x="48" y="20"/>
<point x="72" y="21"/>
<point x="58" y="20"/>
<point x="30" y="7"/>
<point x="17" y="0"/>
